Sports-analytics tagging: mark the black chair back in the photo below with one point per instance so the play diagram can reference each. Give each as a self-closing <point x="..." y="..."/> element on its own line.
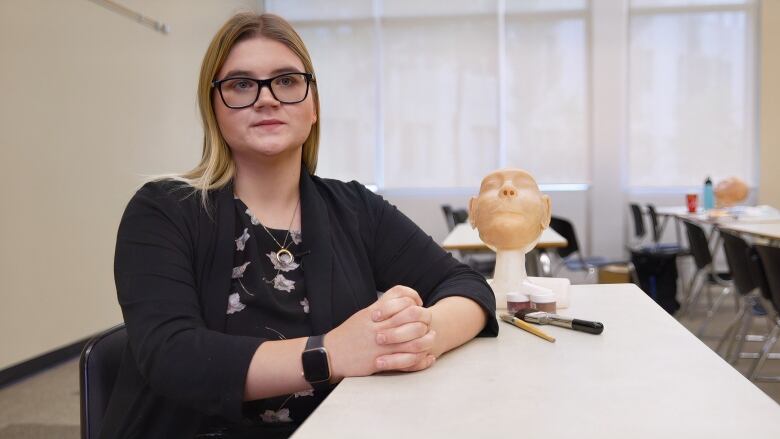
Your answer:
<point x="697" y="240"/>
<point x="639" y="222"/>
<point x="565" y="228"/>
<point x="653" y="222"/>
<point x="98" y="369"/>
<point x="757" y="272"/>
<point x="770" y="265"/>
<point x="737" y="255"/>
<point x="454" y="217"/>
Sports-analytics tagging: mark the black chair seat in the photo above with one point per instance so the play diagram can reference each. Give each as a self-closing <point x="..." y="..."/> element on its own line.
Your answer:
<point x="668" y="249"/>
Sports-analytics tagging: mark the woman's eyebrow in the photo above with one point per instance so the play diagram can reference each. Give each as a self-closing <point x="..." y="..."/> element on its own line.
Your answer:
<point x="235" y="73"/>
<point x="247" y="73"/>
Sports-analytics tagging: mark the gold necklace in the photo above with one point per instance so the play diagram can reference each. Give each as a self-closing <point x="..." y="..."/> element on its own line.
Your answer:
<point x="283" y="256"/>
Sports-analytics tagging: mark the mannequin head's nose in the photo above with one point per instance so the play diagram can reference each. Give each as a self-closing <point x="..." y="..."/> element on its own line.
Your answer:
<point x="507" y="191"/>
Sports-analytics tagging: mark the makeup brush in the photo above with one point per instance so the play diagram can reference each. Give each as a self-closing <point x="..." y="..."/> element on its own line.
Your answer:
<point x="544" y="318"/>
<point x="512" y="320"/>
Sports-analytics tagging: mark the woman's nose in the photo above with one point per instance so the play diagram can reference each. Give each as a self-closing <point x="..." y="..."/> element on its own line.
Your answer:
<point x="266" y="98"/>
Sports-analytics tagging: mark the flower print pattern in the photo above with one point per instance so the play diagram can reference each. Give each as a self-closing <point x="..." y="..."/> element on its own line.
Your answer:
<point x="296" y="236"/>
<point x="234" y="304"/>
<point x="252" y="218"/>
<point x="239" y="271"/>
<point x="241" y="240"/>
<point x="275" y="286"/>
<point x="272" y="417"/>
<point x="281" y="283"/>
<point x="280" y="264"/>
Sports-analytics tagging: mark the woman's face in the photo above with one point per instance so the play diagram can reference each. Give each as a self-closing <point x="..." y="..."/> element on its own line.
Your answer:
<point x="268" y="128"/>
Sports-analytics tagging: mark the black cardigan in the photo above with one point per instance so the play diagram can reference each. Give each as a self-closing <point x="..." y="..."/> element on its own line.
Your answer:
<point x="173" y="268"/>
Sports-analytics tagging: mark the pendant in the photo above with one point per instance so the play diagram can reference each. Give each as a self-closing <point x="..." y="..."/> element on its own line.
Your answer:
<point x="284" y="256"/>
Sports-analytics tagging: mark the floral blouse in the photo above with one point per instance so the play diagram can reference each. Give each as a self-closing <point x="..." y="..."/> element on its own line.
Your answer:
<point x="268" y="300"/>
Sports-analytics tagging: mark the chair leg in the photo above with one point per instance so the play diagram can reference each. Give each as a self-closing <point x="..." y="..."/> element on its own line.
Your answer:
<point x="712" y="311"/>
<point x="546" y="263"/>
<point x="733" y="355"/>
<point x="694" y="292"/>
<point x="727" y="340"/>
<point x="768" y="345"/>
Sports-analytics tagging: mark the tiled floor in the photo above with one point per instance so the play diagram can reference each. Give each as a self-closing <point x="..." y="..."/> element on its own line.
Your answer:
<point x="47" y="405"/>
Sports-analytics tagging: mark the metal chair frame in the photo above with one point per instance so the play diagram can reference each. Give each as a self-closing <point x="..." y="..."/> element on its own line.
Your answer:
<point x="769" y="282"/>
<point x="705" y="275"/>
<point x="742" y="261"/>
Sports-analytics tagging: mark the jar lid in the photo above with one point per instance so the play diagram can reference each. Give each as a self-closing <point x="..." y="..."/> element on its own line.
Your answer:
<point x="542" y="298"/>
<point x="515" y="296"/>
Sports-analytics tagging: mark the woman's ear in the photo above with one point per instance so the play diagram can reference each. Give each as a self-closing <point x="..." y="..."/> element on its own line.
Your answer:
<point x="546" y="211"/>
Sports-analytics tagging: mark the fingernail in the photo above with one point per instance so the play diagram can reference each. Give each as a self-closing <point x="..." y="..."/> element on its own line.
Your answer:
<point x="376" y="315"/>
<point x="380" y="364"/>
<point x="381" y="338"/>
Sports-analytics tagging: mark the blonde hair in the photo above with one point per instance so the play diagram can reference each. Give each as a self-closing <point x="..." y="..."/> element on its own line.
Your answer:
<point x="216" y="167"/>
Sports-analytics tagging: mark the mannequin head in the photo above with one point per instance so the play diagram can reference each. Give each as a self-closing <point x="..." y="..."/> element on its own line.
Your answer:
<point x="730" y="191"/>
<point x="510" y="212"/>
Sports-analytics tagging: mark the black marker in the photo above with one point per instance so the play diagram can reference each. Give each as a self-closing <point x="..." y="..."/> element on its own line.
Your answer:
<point x="544" y="318"/>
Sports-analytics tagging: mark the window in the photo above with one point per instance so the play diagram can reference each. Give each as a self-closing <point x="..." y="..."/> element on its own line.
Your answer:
<point x="691" y="92"/>
<point x="425" y="93"/>
<point x="437" y="94"/>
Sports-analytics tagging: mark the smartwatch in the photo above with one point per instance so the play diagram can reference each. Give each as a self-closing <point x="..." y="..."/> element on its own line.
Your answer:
<point x="316" y="368"/>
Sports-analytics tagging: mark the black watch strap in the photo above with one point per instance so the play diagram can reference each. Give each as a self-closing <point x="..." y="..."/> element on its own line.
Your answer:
<point x="315" y="341"/>
<point x="316" y="367"/>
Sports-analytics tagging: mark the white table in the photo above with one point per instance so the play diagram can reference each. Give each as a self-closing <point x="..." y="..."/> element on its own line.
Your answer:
<point x="747" y="219"/>
<point x="768" y="230"/>
<point x="463" y="237"/>
<point x="646" y="376"/>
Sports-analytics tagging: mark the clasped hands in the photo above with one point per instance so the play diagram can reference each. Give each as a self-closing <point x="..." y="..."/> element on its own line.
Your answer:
<point x="393" y="334"/>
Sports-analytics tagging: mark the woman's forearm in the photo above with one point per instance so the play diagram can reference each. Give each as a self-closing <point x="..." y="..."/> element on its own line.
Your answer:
<point x="276" y="370"/>
<point x="456" y="320"/>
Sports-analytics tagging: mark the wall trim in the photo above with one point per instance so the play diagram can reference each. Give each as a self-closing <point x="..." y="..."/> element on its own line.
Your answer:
<point x="25" y="369"/>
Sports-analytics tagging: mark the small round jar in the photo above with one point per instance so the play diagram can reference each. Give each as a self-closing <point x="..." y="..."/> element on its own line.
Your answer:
<point x="543" y="302"/>
<point x="516" y="301"/>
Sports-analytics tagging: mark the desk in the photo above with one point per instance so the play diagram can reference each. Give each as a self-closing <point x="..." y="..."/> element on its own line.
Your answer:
<point x="765" y="230"/>
<point x="463" y="237"/>
<point x="646" y="376"/>
<point x="760" y="219"/>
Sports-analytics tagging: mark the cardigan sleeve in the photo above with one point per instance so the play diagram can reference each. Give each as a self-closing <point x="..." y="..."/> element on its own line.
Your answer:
<point x="405" y="255"/>
<point x="178" y="356"/>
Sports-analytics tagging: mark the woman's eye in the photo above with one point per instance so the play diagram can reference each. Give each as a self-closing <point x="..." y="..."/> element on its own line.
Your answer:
<point x="286" y="81"/>
<point x="240" y="85"/>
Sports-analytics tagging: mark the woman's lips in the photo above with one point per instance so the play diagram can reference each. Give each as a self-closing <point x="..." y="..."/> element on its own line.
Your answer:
<point x="268" y="124"/>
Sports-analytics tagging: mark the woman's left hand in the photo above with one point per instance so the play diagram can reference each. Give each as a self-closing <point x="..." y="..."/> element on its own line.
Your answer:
<point x="407" y="329"/>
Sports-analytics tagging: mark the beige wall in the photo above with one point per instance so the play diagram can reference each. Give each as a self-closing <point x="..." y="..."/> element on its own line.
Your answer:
<point x="90" y="102"/>
<point x="769" y="187"/>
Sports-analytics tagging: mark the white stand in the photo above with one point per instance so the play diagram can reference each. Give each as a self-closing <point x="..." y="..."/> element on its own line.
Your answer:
<point x="510" y="275"/>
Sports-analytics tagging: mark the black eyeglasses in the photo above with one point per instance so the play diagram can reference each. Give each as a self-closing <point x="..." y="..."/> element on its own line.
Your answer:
<point x="287" y="88"/>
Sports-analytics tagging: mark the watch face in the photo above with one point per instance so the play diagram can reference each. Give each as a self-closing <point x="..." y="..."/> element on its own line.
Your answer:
<point x="315" y="365"/>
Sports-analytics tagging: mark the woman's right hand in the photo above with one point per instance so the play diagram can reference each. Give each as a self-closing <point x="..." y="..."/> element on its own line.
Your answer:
<point x="391" y="334"/>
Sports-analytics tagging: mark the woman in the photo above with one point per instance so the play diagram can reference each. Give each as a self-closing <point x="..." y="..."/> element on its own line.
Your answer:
<point x="249" y="286"/>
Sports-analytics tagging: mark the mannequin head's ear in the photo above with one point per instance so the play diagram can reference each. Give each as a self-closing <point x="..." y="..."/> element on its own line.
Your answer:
<point x="473" y="212"/>
<point x="546" y="211"/>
